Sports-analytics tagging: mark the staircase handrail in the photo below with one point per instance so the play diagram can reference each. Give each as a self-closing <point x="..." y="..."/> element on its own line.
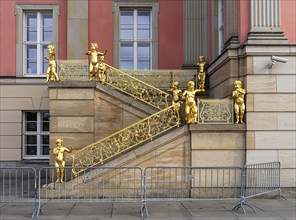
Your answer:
<point x="125" y="139"/>
<point x="136" y="88"/>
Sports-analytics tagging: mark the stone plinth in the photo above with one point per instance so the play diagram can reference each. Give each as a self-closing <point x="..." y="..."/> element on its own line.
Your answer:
<point x="218" y="145"/>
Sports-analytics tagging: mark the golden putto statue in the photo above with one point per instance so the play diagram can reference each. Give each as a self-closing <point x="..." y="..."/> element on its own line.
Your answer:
<point x="97" y="65"/>
<point x="177" y="93"/>
<point x="239" y="105"/>
<point x="190" y="106"/>
<point x="59" y="153"/>
<point x="201" y="73"/>
<point x="51" y="72"/>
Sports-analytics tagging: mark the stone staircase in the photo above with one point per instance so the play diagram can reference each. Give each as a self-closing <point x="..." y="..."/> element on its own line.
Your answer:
<point x="159" y="118"/>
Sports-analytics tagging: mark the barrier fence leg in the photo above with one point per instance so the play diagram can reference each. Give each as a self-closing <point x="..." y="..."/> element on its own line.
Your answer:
<point x="241" y="205"/>
<point x="34" y="215"/>
<point x="144" y="211"/>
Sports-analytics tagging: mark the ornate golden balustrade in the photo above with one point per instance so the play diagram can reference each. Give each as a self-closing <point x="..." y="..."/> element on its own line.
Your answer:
<point x="215" y="111"/>
<point x="125" y="139"/>
<point x="164" y="78"/>
<point x="77" y="70"/>
<point x="73" y="70"/>
<point x="136" y="88"/>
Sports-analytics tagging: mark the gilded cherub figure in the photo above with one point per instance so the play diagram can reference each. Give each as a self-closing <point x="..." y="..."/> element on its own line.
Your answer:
<point x="51" y="72"/>
<point x="177" y="93"/>
<point x="97" y="65"/>
<point x="190" y="106"/>
<point x="59" y="153"/>
<point x="201" y="73"/>
<point x="238" y="96"/>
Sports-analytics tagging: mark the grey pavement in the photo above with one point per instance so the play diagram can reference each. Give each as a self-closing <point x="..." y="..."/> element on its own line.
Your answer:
<point x="267" y="209"/>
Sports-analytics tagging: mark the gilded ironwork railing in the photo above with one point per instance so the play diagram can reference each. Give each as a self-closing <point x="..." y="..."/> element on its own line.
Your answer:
<point x="77" y="70"/>
<point x="164" y="78"/>
<point x="215" y="111"/>
<point x="136" y="88"/>
<point x="125" y="139"/>
<point x="73" y="70"/>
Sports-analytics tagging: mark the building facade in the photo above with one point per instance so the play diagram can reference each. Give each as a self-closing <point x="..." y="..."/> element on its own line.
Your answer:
<point x="237" y="37"/>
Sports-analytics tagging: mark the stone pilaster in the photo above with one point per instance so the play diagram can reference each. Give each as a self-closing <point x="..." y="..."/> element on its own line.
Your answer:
<point x="77" y="29"/>
<point x="265" y="23"/>
<point x="192" y="26"/>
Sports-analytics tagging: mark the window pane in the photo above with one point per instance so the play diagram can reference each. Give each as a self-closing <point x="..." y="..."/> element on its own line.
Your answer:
<point x="127" y="65"/>
<point x="47" y="19"/>
<point x="31" y="126"/>
<point x="144" y="17"/>
<point x="31" y="145"/>
<point x="31" y="67"/>
<point x="144" y="56"/>
<point x="31" y="150"/>
<point x="47" y="34"/>
<point x="126" y="17"/>
<point x="31" y="51"/>
<point x="44" y="61"/>
<point x="144" y="52"/>
<point x="31" y="59"/>
<point x="127" y="56"/>
<point x="31" y="140"/>
<point x="31" y="19"/>
<point x="143" y="24"/>
<point x="31" y="121"/>
<point x="127" y="51"/>
<point x="143" y="34"/>
<point x="31" y="27"/>
<point x="31" y="34"/>
<point x="126" y="25"/>
<point x="31" y="116"/>
<point x="44" y="144"/>
<point x="44" y="121"/>
<point x="143" y="65"/>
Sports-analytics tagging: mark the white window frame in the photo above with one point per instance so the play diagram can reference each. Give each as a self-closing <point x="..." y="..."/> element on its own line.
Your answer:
<point x="153" y="5"/>
<point x="20" y="12"/>
<point x="39" y="43"/>
<point x="38" y="133"/>
<point x="136" y="41"/>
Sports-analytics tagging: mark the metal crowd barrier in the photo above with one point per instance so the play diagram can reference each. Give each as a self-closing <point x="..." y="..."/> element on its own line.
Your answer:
<point x="191" y="183"/>
<point x="131" y="184"/>
<point x="259" y="179"/>
<point x="18" y="185"/>
<point x="95" y="184"/>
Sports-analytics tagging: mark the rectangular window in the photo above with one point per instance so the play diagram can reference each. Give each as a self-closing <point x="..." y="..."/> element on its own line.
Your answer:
<point x="36" y="135"/>
<point x="135" y="39"/>
<point x="37" y="34"/>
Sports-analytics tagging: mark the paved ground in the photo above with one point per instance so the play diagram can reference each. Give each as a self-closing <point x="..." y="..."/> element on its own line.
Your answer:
<point x="267" y="209"/>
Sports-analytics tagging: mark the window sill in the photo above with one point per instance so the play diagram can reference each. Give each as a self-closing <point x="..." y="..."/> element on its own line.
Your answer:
<point x="35" y="161"/>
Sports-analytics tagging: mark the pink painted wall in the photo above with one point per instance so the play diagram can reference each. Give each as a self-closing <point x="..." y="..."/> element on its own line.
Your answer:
<point x="7" y="38"/>
<point x="288" y="19"/>
<point x="100" y="28"/>
<point x="8" y="33"/>
<point x="244" y="20"/>
<point x="170" y="34"/>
